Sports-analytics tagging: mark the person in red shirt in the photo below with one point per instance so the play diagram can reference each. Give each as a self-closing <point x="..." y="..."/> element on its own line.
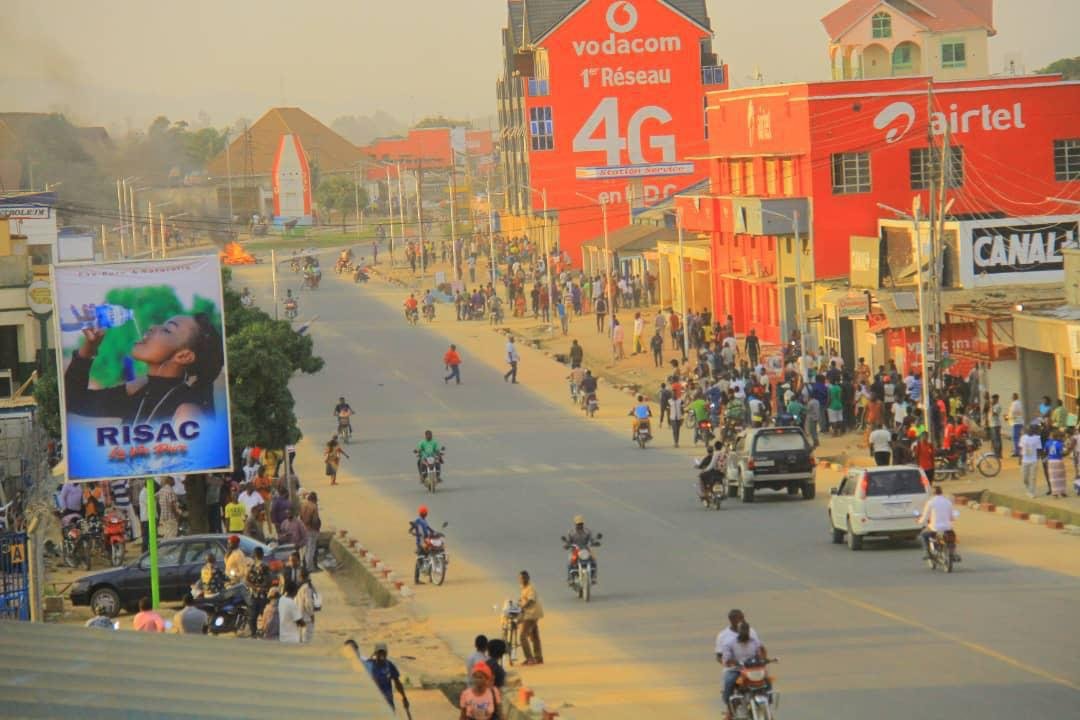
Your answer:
<point x="410" y="305"/>
<point x="452" y="361"/>
<point x="924" y="455"/>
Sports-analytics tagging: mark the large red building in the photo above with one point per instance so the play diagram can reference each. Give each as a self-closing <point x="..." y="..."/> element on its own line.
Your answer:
<point x="602" y="98"/>
<point x="831" y="153"/>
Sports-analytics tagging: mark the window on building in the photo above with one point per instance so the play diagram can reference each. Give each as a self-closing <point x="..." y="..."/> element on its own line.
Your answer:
<point x="881" y="25"/>
<point x="1067" y="160"/>
<point x="539" y="87"/>
<point x="748" y="177"/>
<point x="541" y="129"/>
<point x="850" y="173"/>
<point x="705" y="114"/>
<point x="770" y="177"/>
<point x="901" y="58"/>
<point x="953" y="54"/>
<point x="787" y="169"/>
<point x="735" y="169"/>
<point x="925" y="168"/>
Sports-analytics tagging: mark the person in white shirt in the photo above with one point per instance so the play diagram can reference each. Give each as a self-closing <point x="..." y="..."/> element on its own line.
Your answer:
<point x="937" y="516"/>
<point x="512" y="358"/>
<point x="290" y="619"/>
<point x="899" y="412"/>
<point x="735" y="642"/>
<point x="881" y="445"/>
<point x="675" y="417"/>
<point x="1016" y="418"/>
<point x="249" y="498"/>
<point x="1030" y="445"/>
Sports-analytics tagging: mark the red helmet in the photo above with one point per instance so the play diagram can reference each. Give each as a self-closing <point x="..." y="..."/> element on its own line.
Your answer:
<point x="234" y="540"/>
<point x="422" y="511"/>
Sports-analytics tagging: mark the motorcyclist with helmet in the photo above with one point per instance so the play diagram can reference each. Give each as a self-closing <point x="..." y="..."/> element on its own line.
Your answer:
<point x="421" y="531"/>
<point x="410" y="306"/>
<point x="429" y="448"/>
<point x="583" y="538"/>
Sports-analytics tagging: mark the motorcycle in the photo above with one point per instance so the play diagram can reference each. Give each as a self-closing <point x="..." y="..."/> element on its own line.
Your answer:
<point x="291" y="309"/>
<point x="582" y="567"/>
<point x="710" y="490"/>
<point x="73" y="547"/>
<point x="591" y="404"/>
<point x="343" y="265"/>
<point x="92" y="538"/>
<point x="511" y="618"/>
<point x="115" y="537"/>
<point x="227" y="610"/>
<point x="942" y="551"/>
<point x="754" y="698"/>
<point x="703" y="431"/>
<point x="360" y="275"/>
<point x="432" y="560"/>
<point x="429" y="312"/>
<point x="344" y="430"/>
<point x="731" y="430"/>
<point x="431" y="470"/>
<point x="643" y="434"/>
<point x="412" y="315"/>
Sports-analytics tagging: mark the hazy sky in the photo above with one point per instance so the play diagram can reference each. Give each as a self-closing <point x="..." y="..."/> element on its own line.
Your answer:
<point x="116" y="62"/>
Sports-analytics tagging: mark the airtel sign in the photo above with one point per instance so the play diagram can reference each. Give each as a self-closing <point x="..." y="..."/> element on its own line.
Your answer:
<point x="899" y="117"/>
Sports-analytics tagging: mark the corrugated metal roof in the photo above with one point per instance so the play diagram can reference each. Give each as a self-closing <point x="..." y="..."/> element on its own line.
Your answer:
<point x="75" y="672"/>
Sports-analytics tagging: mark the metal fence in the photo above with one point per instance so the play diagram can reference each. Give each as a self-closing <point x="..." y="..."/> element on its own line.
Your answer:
<point x="14" y="577"/>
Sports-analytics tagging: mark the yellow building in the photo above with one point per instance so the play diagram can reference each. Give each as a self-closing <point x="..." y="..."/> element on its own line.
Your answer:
<point x="1048" y="345"/>
<point x="20" y="334"/>
<point x="945" y="39"/>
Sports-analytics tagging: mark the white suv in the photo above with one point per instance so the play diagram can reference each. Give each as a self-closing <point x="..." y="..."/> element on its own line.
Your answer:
<point x="883" y="502"/>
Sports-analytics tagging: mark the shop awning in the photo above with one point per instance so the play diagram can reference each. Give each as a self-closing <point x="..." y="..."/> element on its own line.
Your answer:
<point x="699" y="250"/>
<point x="618" y="239"/>
<point x="973" y="303"/>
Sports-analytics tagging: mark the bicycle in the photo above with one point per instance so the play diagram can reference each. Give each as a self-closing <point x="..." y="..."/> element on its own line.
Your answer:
<point x="511" y="618"/>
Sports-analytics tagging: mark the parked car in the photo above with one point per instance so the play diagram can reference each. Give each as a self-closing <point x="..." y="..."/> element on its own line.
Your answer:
<point x="179" y="563"/>
<point x="772" y="458"/>
<point x="878" y="502"/>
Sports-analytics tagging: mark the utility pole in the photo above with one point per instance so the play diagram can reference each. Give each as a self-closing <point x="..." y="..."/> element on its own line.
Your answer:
<point x="401" y="207"/>
<point x="356" y="194"/>
<point x="922" y="316"/>
<point x="608" y="275"/>
<point x="131" y="209"/>
<point x="932" y="276"/>
<point x="939" y="251"/>
<point x="420" y="226"/>
<point x="120" y="207"/>
<point x="547" y="262"/>
<point x="682" y="285"/>
<point x="228" y="173"/>
<point x="453" y="223"/>
<point x="390" y="213"/>
<point x="799" y="308"/>
<point x="150" y="225"/>
<point x="162" y="216"/>
<point x="491" y="231"/>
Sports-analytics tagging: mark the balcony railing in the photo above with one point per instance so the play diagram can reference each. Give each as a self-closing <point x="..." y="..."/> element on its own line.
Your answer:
<point x="712" y="75"/>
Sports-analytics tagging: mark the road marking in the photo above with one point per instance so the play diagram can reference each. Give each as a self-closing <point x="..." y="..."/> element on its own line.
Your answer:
<point x="517" y="469"/>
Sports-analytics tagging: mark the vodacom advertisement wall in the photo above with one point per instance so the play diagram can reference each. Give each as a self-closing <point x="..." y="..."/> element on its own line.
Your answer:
<point x="624" y="112"/>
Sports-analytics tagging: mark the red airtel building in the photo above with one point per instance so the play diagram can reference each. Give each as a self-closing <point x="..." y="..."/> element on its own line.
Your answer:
<point x="606" y="99"/>
<point x="825" y="156"/>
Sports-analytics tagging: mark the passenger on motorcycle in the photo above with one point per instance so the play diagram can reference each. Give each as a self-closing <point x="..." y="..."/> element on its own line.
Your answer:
<point x="641" y="412"/>
<point x="343" y="412"/>
<point x="937" y="516"/>
<point x="712" y="468"/>
<point x="429" y="448"/>
<point x="757" y="411"/>
<point x="583" y="538"/>
<point x="700" y="410"/>
<point x="588" y="384"/>
<point x="727" y="636"/>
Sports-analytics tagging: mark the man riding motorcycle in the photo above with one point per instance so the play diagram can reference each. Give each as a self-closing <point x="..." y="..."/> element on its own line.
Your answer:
<point x="712" y="469"/>
<point x="343" y="412"/>
<point x="699" y="408"/>
<point x="421" y="530"/>
<point x="937" y="516"/>
<point x="410" y="305"/>
<point x="641" y="413"/>
<point x="429" y="448"/>
<point x="583" y="538"/>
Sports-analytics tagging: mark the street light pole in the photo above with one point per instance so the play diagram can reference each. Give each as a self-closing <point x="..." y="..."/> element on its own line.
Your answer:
<point x="491" y="232"/>
<point x="453" y="225"/>
<point x="420" y="226"/>
<point x="150" y="223"/>
<point x="356" y="194"/>
<point x="390" y="213"/>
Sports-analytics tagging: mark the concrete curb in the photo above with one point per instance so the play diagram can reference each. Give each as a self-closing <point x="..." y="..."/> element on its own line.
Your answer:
<point x="1036" y="519"/>
<point x="373" y="574"/>
<point x="1072" y="529"/>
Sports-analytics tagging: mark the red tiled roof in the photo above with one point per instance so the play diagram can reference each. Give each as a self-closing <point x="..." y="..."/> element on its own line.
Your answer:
<point x="935" y="15"/>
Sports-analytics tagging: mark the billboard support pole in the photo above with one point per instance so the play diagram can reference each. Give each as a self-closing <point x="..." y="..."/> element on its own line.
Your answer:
<point x="273" y="278"/>
<point x="151" y="521"/>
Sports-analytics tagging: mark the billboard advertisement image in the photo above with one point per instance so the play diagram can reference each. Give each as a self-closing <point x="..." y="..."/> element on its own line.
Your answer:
<point x="144" y="387"/>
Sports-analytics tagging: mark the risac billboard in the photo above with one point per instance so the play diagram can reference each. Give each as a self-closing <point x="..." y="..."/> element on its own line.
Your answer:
<point x="626" y="109"/>
<point x="144" y="388"/>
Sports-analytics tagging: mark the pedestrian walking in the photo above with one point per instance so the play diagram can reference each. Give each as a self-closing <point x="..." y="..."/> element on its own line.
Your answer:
<point x="675" y="417"/>
<point x="307" y="603"/>
<point x="560" y="310"/>
<point x="480" y="700"/>
<point x="214" y="485"/>
<point x="753" y="347"/>
<point x="309" y="515"/>
<point x="880" y="444"/>
<point x="384" y="673"/>
<point x="1016" y="419"/>
<point x="656" y="344"/>
<point x="531" y="614"/>
<point x="1030" y="446"/>
<point x="290" y="621"/>
<point x="994" y="424"/>
<point x="144" y="516"/>
<point x="258" y="583"/>
<point x="577" y="353"/>
<point x="600" y="307"/>
<point x="639" y="330"/>
<point x="924" y="455"/>
<point x="1054" y="450"/>
<point x="332" y="457"/>
<point x="452" y="361"/>
<point x="617" y="334"/>
<point x="512" y="358"/>
<point x="662" y="400"/>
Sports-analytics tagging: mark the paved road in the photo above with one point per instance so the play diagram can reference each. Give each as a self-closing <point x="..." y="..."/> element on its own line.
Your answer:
<point x="871" y="634"/>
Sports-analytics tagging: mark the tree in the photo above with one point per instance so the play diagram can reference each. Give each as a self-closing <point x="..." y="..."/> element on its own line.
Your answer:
<point x="440" y="121"/>
<point x="47" y="397"/>
<point x="1068" y="67"/>
<point x="338" y="193"/>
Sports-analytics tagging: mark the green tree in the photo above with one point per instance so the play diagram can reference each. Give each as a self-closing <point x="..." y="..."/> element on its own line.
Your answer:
<point x="1068" y="67"/>
<point x="338" y="193"/>
<point x="47" y="397"/>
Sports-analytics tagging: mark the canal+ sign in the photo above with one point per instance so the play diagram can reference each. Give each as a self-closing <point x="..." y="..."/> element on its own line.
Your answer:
<point x="1013" y="251"/>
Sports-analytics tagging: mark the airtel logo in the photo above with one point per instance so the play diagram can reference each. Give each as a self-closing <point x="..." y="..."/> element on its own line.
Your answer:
<point x="889" y="115"/>
<point x="630" y="13"/>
